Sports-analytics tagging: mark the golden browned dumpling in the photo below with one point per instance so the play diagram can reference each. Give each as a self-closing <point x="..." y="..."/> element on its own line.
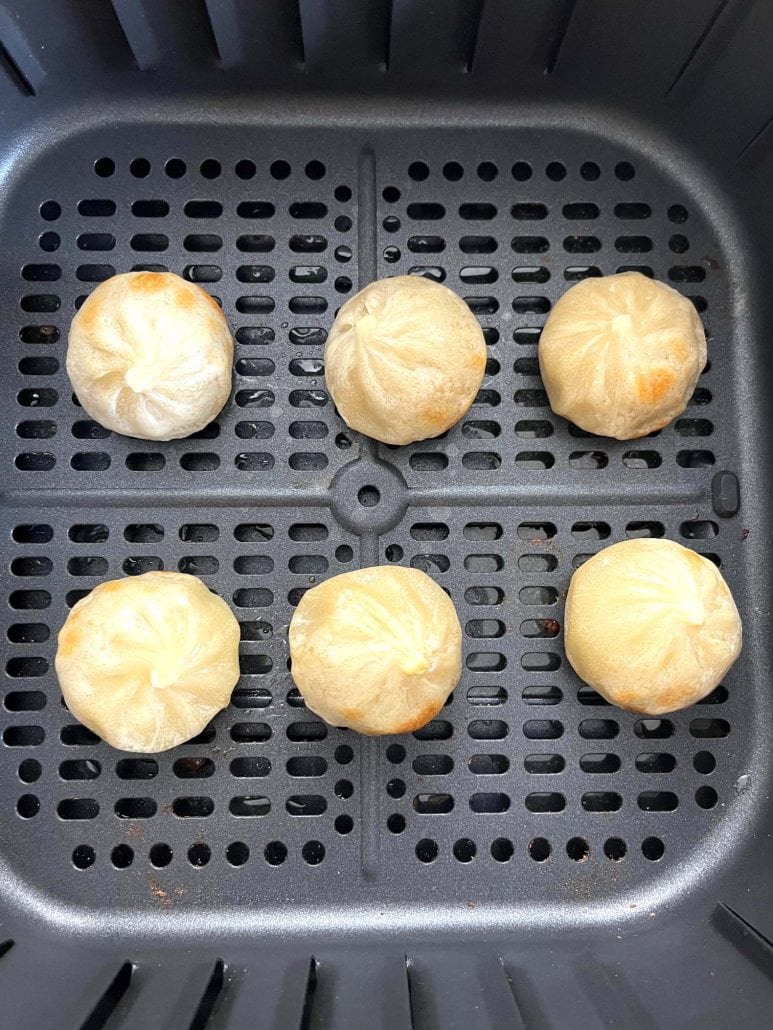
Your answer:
<point x="149" y="355"/>
<point x="651" y="625"/>
<point x="404" y="359"/>
<point x="378" y="650"/>
<point x="147" y="661"/>
<point x="620" y="355"/>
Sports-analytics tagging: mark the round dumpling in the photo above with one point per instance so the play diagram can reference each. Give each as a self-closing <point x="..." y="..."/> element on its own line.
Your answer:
<point x="378" y="650"/>
<point x="404" y="359"/>
<point x="620" y="355"/>
<point x="149" y="355"/>
<point x="651" y="625"/>
<point x="147" y="661"/>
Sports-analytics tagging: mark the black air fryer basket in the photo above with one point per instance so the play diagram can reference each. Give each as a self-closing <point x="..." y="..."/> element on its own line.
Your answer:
<point x="533" y="857"/>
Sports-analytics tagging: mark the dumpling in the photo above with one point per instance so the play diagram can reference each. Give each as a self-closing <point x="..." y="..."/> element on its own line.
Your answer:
<point x="147" y="661"/>
<point x="149" y="355"/>
<point x="651" y="625"/>
<point x="404" y="359"/>
<point x="620" y="355"/>
<point x="378" y="650"/>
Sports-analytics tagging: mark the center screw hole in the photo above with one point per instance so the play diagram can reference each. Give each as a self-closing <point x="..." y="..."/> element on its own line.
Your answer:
<point x="368" y="496"/>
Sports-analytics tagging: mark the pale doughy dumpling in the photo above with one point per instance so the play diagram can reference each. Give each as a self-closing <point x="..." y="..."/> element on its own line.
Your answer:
<point x="378" y="650"/>
<point x="404" y="359"/>
<point x="651" y="625"/>
<point x="150" y="355"/>
<point x="147" y="661"/>
<point x="620" y="355"/>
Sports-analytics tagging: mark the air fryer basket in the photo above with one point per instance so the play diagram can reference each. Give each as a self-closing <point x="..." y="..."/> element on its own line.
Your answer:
<point x="533" y="857"/>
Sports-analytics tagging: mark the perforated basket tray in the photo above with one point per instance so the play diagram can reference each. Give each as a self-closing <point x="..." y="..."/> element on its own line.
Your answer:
<point x="279" y="870"/>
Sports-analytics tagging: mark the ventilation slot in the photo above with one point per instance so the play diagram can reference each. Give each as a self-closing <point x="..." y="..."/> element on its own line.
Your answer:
<point x="110" y="1000"/>
<point x="209" y="999"/>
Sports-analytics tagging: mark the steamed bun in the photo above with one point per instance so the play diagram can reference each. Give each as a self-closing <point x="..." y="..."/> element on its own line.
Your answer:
<point x="147" y="661"/>
<point x="620" y="355"/>
<point x="404" y="359"/>
<point x="651" y="625"/>
<point x="149" y="355"/>
<point x="378" y="650"/>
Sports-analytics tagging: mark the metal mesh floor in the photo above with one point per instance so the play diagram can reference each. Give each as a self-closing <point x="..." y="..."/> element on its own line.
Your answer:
<point x="527" y="789"/>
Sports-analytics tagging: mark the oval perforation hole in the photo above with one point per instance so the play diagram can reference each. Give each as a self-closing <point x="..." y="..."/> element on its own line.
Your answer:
<point x="438" y="729"/>
<point x="488" y="764"/>
<point x="136" y="768"/>
<point x="545" y="802"/>
<point x="541" y="694"/>
<point x="36" y="533"/>
<point x="654" y="729"/>
<point x="77" y="808"/>
<point x="655" y="762"/>
<point x="544" y="764"/>
<point x="193" y="768"/>
<point x="306" y="804"/>
<point x="80" y="769"/>
<point x="483" y="629"/>
<point x="74" y="735"/>
<point x="602" y="801"/>
<point x="31" y="566"/>
<point x="600" y="763"/>
<point x="432" y="765"/>
<point x="135" y="808"/>
<point x="252" y="732"/>
<point x="304" y="765"/>
<point x="195" y="807"/>
<point x="485" y="696"/>
<point x="23" y="736"/>
<point x="433" y="804"/>
<point x="489" y="803"/>
<point x="709" y="728"/>
<point x="488" y="729"/>
<point x="27" y="667"/>
<point x="658" y="801"/>
<point x="598" y="729"/>
<point x="543" y="729"/>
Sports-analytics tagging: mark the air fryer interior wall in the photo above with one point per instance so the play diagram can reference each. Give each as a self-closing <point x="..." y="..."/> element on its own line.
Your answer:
<point x="533" y="854"/>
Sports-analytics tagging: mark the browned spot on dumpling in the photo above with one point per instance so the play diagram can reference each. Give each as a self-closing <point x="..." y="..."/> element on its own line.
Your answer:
<point x="211" y="301"/>
<point x="89" y="316"/>
<point x="149" y="282"/>
<point x="653" y="386"/>
<point x="421" y="718"/>
<point x="186" y="299"/>
<point x="435" y="416"/>
<point x="351" y="714"/>
<point x="189" y="296"/>
<point x="68" y="640"/>
<point x="679" y="351"/>
<point x="695" y="559"/>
